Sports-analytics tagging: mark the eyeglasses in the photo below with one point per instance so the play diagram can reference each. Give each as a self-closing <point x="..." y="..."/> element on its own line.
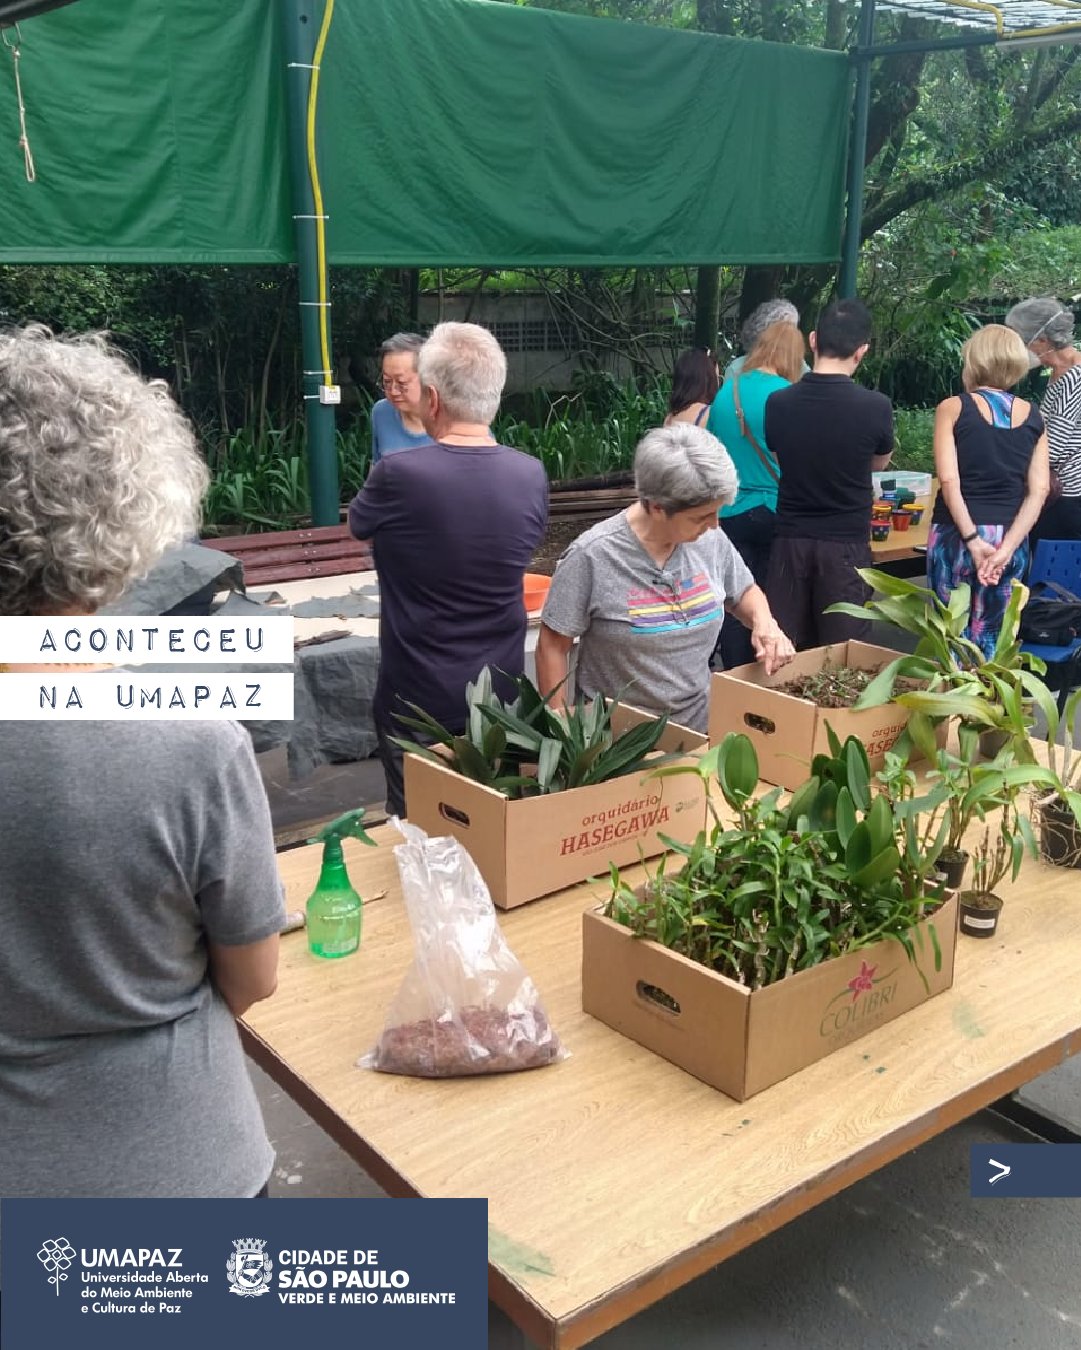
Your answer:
<point x="389" y="386"/>
<point x="1047" y="324"/>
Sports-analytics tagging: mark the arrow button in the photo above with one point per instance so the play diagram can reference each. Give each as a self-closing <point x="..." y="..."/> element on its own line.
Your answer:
<point x="1003" y="1171"/>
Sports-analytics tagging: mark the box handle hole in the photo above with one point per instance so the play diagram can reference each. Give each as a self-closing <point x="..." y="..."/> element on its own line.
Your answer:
<point x="757" y="723"/>
<point x="452" y="814"/>
<point x="655" y="994"/>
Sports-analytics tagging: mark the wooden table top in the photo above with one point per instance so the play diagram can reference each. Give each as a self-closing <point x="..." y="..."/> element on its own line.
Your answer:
<point x="614" y="1177"/>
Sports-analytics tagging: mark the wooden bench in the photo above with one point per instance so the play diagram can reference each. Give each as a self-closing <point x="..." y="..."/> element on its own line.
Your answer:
<point x="287" y="555"/>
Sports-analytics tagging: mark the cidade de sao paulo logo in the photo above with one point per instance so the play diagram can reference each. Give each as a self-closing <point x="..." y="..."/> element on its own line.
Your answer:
<point x="344" y="1276"/>
<point x="131" y="1280"/>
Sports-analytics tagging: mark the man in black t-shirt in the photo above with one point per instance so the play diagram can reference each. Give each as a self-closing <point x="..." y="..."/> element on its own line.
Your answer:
<point x="829" y="435"/>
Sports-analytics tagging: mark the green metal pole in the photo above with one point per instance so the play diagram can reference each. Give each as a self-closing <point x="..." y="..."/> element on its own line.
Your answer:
<point x="857" y="150"/>
<point x="300" y="30"/>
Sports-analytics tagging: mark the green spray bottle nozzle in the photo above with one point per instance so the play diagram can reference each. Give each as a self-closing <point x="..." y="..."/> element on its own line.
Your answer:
<point x="345" y="826"/>
<point x="334" y="910"/>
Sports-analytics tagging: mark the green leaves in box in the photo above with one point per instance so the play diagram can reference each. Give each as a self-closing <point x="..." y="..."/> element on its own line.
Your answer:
<point x="522" y="748"/>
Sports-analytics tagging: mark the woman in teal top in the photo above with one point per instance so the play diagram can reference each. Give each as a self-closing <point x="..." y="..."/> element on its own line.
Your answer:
<point x="736" y="418"/>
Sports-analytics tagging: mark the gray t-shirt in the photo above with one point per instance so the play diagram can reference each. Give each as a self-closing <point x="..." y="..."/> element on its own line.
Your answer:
<point x="125" y="848"/>
<point x="646" y="632"/>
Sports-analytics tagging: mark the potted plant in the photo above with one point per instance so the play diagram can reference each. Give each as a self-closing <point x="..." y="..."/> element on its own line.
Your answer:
<point x="987" y="693"/>
<point x="524" y="749"/>
<point x="1057" y="809"/>
<point x="781" y="914"/>
<point x="996" y="856"/>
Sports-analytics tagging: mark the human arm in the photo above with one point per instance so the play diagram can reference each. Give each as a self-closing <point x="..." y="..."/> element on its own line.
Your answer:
<point x="771" y="646"/>
<point x="553" y="665"/>
<point x="244" y="974"/>
<point x="372" y="505"/>
<point x="990" y="568"/>
<point x="949" y="480"/>
<point x="880" y="460"/>
<point x="565" y="617"/>
<point x="237" y="887"/>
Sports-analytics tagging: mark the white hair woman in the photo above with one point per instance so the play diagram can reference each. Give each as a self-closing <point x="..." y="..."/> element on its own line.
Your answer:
<point x="1046" y="328"/>
<point x="645" y="592"/>
<point x="139" y="895"/>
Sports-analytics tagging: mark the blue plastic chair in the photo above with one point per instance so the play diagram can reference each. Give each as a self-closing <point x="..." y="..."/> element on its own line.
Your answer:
<point x="1058" y="560"/>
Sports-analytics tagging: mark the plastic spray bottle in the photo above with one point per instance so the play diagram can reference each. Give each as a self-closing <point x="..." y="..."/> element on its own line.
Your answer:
<point x="334" y="908"/>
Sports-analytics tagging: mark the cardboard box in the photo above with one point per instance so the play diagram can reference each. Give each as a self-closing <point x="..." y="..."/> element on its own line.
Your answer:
<point x="787" y="732"/>
<point x="528" y="848"/>
<point x="741" y="1041"/>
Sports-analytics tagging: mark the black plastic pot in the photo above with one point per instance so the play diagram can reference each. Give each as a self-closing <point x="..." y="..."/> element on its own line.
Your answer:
<point x="979" y="914"/>
<point x="952" y="866"/>
<point x="991" y="742"/>
<point x="1060" y="835"/>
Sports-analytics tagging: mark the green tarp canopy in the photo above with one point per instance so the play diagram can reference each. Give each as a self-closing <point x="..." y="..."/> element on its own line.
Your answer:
<point x="450" y="132"/>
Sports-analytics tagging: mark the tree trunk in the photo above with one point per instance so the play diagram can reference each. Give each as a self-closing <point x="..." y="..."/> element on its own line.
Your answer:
<point x="707" y="300"/>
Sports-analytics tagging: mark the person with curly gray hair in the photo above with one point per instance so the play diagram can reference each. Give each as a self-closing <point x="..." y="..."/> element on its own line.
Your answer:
<point x="1047" y="329"/>
<point x="645" y="592"/>
<point x="139" y="893"/>
<point x="756" y="323"/>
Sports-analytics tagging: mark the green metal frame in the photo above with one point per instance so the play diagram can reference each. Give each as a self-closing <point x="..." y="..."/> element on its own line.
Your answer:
<point x="862" y="55"/>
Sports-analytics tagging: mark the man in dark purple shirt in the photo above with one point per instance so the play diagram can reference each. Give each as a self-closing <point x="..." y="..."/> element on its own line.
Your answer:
<point x="453" y="526"/>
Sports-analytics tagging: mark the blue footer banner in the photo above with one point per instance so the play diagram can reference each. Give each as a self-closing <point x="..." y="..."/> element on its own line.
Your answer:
<point x="204" y="1274"/>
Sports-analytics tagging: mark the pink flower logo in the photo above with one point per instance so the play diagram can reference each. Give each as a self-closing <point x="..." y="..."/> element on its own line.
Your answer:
<point x="862" y="983"/>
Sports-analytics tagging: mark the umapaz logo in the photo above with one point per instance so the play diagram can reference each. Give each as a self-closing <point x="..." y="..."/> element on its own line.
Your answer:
<point x="249" y="1268"/>
<point x="56" y="1255"/>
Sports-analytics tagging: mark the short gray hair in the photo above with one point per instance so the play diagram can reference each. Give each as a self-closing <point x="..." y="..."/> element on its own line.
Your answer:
<point x="682" y="466"/>
<point x="1044" y="317"/>
<point x="760" y="318"/>
<point x="99" y="473"/>
<point x="465" y="365"/>
<point x="402" y="342"/>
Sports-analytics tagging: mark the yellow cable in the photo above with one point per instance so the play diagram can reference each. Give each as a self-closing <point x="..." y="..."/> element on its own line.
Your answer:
<point x="317" y="194"/>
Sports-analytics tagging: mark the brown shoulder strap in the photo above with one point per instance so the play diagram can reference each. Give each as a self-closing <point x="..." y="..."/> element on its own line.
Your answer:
<point x="748" y="435"/>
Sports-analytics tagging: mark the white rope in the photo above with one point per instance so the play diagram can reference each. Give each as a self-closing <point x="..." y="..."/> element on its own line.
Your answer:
<point x="24" y="139"/>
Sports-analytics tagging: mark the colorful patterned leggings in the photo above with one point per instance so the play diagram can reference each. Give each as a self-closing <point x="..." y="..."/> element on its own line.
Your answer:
<point x="949" y="565"/>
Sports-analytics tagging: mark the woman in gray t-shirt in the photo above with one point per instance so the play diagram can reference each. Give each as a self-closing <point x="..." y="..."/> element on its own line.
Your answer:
<point x="645" y="592"/>
<point x="139" y="897"/>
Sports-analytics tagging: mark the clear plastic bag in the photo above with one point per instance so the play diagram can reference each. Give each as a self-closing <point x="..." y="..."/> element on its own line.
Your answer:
<point x="466" y="1005"/>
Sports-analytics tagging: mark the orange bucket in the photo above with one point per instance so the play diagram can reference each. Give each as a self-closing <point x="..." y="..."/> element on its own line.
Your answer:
<point x="535" y="587"/>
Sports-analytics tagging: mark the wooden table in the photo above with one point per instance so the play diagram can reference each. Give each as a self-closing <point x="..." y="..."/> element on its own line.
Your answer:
<point x="613" y="1177"/>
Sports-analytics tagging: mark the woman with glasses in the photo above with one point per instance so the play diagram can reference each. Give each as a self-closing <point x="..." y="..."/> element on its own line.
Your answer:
<point x="396" y="423"/>
<point x="694" y="383"/>
<point x="1046" y="328"/>
<point x="645" y="592"/>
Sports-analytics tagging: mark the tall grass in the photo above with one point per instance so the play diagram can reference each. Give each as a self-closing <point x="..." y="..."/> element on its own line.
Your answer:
<point x="261" y="481"/>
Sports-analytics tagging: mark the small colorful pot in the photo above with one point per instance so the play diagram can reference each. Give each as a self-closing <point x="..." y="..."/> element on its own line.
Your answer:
<point x="901" y="521"/>
<point x="880" y="532"/>
<point x="882" y="509"/>
<point x="916" y="512"/>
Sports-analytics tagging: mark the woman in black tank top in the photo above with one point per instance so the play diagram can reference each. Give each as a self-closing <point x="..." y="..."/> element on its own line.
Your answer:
<point x="992" y="467"/>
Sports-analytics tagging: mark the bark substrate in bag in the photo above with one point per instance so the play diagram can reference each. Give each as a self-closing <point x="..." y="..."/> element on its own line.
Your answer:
<point x="475" y="1041"/>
